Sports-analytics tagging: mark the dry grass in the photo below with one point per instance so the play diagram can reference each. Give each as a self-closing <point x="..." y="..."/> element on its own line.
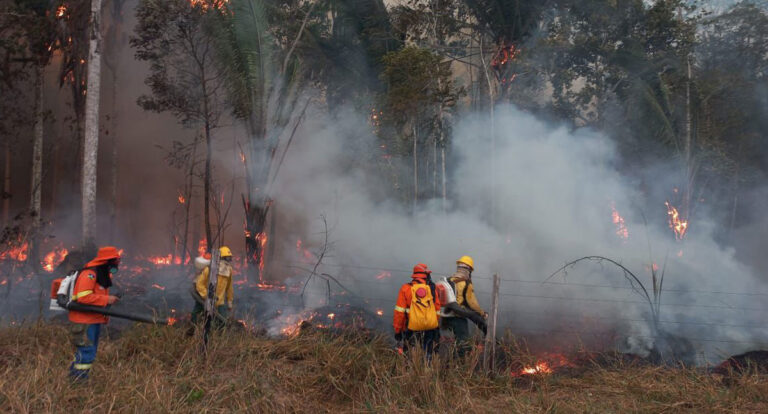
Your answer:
<point x="156" y="369"/>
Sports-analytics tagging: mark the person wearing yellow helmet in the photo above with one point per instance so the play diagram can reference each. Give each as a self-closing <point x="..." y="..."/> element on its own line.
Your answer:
<point x="225" y="293"/>
<point x="465" y="297"/>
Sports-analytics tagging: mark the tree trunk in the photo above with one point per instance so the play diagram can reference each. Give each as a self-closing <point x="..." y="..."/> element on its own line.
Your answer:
<point x="687" y="146"/>
<point x="188" y="201"/>
<point x="114" y="162"/>
<point x="491" y="103"/>
<point x="6" y="195"/>
<point x="434" y="167"/>
<point x="207" y="187"/>
<point x="442" y="160"/>
<point x="91" y="142"/>
<point x="37" y="170"/>
<point x="255" y="235"/>
<point x="415" y="167"/>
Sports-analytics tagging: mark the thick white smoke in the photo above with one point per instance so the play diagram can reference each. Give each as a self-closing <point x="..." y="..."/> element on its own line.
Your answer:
<point x="554" y="192"/>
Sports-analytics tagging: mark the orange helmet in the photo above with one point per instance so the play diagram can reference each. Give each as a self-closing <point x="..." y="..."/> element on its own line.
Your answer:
<point x="421" y="269"/>
<point x="105" y="255"/>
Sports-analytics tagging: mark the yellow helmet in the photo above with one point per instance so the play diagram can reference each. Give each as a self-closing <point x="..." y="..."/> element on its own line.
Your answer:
<point x="467" y="261"/>
<point x="225" y="252"/>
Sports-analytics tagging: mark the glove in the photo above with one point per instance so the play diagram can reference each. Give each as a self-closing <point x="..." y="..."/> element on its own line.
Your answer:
<point x="229" y="305"/>
<point x="398" y="337"/>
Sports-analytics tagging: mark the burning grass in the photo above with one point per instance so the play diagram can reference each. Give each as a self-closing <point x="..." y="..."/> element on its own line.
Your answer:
<point x="159" y="369"/>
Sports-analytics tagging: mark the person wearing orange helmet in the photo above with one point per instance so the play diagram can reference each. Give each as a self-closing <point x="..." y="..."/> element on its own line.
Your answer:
<point x="466" y="299"/>
<point x="91" y="288"/>
<point x="416" y="312"/>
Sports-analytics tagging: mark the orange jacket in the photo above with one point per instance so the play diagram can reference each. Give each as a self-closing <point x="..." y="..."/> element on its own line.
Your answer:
<point x="403" y="305"/>
<point x="88" y="292"/>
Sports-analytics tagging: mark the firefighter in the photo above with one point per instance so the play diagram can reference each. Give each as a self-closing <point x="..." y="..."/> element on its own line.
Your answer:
<point x="416" y="312"/>
<point x="465" y="297"/>
<point x="91" y="288"/>
<point x="224" y="288"/>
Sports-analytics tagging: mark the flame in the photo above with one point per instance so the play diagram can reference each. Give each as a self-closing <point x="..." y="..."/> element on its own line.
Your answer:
<point x="307" y="256"/>
<point x="242" y="157"/>
<point x="53" y="258"/>
<point x="505" y="55"/>
<point x="621" y="226"/>
<point x="4" y="282"/>
<point x="161" y="260"/>
<point x="383" y="275"/>
<point x="262" y="239"/>
<point x="547" y="364"/>
<point x="159" y="287"/>
<point x="202" y="247"/>
<point x="331" y="316"/>
<point x="206" y="4"/>
<point x="181" y="198"/>
<point x="61" y="11"/>
<point x="17" y="253"/>
<point x="172" y="321"/>
<point x="379" y="312"/>
<point x="678" y="225"/>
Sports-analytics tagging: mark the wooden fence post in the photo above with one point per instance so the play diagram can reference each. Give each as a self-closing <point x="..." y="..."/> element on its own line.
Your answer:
<point x="489" y="351"/>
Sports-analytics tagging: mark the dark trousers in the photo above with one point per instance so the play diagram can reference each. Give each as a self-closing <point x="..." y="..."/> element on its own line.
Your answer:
<point x="426" y="340"/>
<point x="85" y="337"/>
<point x="199" y="310"/>
<point x="460" y="329"/>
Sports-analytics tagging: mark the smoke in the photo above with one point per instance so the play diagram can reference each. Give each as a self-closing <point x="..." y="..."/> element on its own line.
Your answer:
<point x="548" y="201"/>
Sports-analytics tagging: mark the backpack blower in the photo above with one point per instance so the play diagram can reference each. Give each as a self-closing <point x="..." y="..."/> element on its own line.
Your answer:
<point x="446" y="292"/>
<point x="61" y="300"/>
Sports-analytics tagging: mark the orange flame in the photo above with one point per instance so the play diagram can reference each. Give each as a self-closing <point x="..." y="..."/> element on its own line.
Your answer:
<point x="172" y="321"/>
<point x="621" y="226"/>
<point x="678" y="225"/>
<point x="181" y="198"/>
<point x="262" y="239"/>
<point x="156" y="286"/>
<point x="379" y="312"/>
<point x="19" y="253"/>
<point x="53" y="258"/>
<point x="61" y="11"/>
<point x="202" y="247"/>
<point x="161" y="260"/>
<point x="546" y="365"/>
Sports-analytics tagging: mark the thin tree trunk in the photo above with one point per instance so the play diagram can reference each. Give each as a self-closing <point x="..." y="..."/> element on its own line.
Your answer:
<point x="491" y="104"/>
<point x="415" y="168"/>
<point x="114" y="162"/>
<point x="687" y="146"/>
<point x="37" y="168"/>
<point x="6" y="195"/>
<point x="434" y="167"/>
<point x="188" y="201"/>
<point x="442" y="161"/>
<point x="91" y="144"/>
<point x="735" y="186"/>
<point x="207" y="187"/>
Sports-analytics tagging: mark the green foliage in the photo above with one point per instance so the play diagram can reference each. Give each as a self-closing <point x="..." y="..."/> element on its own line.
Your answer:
<point x="177" y="38"/>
